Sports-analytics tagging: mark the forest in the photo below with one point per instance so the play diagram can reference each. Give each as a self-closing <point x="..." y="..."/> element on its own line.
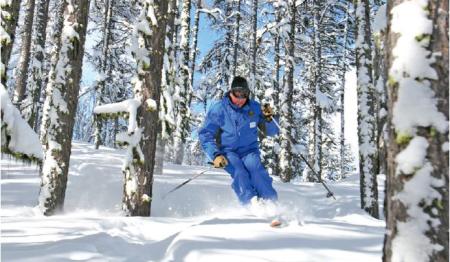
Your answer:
<point x="140" y="76"/>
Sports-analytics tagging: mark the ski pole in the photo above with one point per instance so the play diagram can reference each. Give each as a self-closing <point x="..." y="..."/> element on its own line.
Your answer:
<point x="187" y="181"/>
<point x="330" y="193"/>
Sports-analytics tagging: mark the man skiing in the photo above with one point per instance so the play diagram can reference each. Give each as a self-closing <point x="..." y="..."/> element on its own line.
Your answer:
<point x="229" y="136"/>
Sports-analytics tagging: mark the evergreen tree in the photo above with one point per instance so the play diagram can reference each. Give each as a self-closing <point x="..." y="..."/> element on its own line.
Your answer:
<point x="366" y="102"/>
<point x="60" y="105"/>
<point x="417" y="179"/>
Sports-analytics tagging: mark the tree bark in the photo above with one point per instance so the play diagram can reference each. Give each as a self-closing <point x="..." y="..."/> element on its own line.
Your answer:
<point x="9" y="19"/>
<point x="100" y="90"/>
<point x="236" y="37"/>
<point x="150" y="83"/>
<point x="195" y="40"/>
<point x="185" y="91"/>
<point x="424" y="207"/>
<point x="366" y="101"/>
<point x="37" y="64"/>
<point x="24" y="61"/>
<point x="60" y="106"/>
<point x="286" y="117"/>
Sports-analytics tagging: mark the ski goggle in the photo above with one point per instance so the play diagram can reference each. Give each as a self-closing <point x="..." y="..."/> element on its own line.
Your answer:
<point x="240" y="94"/>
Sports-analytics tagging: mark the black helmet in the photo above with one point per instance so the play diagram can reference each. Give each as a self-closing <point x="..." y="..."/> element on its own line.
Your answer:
<point x="240" y="84"/>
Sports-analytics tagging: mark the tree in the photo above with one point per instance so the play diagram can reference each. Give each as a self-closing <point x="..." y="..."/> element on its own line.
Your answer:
<point x="286" y="99"/>
<point x="149" y="54"/>
<point x="366" y="121"/>
<point x="417" y="181"/>
<point x="22" y="70"/>
<point x="9" y="18"/>
<point x="105" y="48"/>
<point x="185" y="89"/>
<point x="35" y="80"/>
<point x="60" y="105"/>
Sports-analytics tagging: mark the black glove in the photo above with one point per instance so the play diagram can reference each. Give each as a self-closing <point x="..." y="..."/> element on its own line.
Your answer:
<point x="267" y="111"/>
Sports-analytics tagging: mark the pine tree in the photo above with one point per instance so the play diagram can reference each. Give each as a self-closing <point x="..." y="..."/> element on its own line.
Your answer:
<point x="366" y="121"/>
<point x="286" y="99"/>
<point x="417" y="180"/>
<point x="9" y="18"/>
<point x="22" y="69"/>
<point x="60" y="105"/>
<point x="37" y="69"/>
<point x="105" y="49"/>
<point x="149" y="52"/>
<point x="185" y="94"/>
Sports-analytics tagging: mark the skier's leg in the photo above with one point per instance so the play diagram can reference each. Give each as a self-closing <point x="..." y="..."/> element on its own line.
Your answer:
<point x="241" y="185"/>
<point x="259" y="176"/>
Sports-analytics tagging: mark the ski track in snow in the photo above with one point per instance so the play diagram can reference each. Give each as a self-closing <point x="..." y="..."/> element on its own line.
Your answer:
<point x="202" y="221"/>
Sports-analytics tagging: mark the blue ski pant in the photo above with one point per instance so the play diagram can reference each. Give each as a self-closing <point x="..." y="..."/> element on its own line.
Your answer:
<point x="250" y="178"/>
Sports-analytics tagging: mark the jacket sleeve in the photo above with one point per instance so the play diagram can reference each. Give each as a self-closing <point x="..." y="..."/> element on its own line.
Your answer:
<point x="207" y="134"/>
<point x="271" y="128"/>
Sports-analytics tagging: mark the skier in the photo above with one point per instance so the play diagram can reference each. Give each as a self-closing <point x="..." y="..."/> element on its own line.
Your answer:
<point x="229" y="136"/>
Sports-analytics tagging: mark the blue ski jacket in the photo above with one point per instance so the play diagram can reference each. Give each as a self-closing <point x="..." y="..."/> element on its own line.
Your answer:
<point x="228" y="128"/>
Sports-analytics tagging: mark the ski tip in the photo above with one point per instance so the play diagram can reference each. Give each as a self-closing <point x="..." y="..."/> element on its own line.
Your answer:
<point x="275" y="223"/>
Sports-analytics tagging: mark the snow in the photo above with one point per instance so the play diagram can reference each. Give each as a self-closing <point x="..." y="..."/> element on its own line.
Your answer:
<point x="380" y="22"/>
<point x="201" y="221"/>
<point x="413" y="156"/>
<point x="416" y="106"/>
<point x="130" y="106"/>
<point x="23" y="138"/>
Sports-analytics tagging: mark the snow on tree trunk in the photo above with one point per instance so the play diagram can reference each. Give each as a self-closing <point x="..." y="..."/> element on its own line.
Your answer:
<point x="273" y="162"/>
<point x="167" y="124"/>
<point x="60" y="106"/>
<point x="342" y="94"/>
<point x="149" y="54"/>
<point x="380" y="90"/>
<point x="317" y="109"/>
<point x="236" y="37"/>
<point x="366" y="120"/>
<point x="184" y="99"/>
<point x="286" y="116"/>
<point x="8" y="22"/>
<point x="194" y="50"/>
<point x="24" y="61"/>
<point x="417" y="182"/>
<point x="100" y="90"/>
<point x="37" y="62"/>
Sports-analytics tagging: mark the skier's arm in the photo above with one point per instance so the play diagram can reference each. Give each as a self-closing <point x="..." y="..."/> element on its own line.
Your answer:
<point x="208" y="133"/>
<point x="269" y="127"/>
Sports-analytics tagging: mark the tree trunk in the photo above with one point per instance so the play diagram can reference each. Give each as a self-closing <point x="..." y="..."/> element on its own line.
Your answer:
<point x="100" y="90"/>
<point x="60" y="107"/>
<point x="236" y="37"/>
<point x="195" y="40"/>
<point x="37" y="62"/>
<point x="366" y="121"/>
<point x="148" y="87"/>
<point x="9" y="18"/>
<point x="254" y="48"/>
<point x="185" y="91"/>
<point x="286" y="117"/>
<point x="342" y="95"/>
<point x="417" y="192"/>
<point x="24" y="61"/>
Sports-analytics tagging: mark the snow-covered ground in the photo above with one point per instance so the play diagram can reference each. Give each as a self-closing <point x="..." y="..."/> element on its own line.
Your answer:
<point x="202" y="221"/>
